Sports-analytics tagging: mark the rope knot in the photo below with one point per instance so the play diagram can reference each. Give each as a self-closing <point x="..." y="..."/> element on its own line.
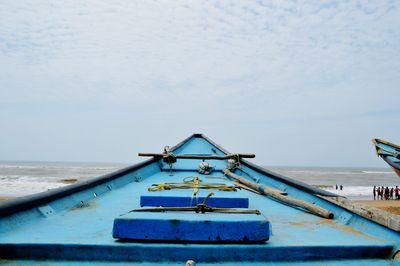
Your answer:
<point x="202" y="207"/>
<point x="169" y="158"/>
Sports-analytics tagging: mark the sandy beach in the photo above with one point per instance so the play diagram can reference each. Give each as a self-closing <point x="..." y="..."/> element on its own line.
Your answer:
<point x="392" y="206"/>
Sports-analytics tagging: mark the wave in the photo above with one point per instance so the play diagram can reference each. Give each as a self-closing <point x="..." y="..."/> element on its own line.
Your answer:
<point x="17" y="166"/>
<point x="377" y="172"/>
<point x="354" y="192"/>
<point x="5" y="166"/>
<point x="18" y="188"/>
<point x="330" y="172"/>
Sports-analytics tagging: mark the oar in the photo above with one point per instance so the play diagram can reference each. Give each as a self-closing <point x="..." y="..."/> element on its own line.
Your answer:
<point x="282" y="198"/>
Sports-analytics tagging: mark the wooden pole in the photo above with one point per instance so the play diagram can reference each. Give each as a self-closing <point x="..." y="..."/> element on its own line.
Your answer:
<point x="200" y="157"/>
<point x="270" y="192"/>
<point x="256" y="191"/>
<point x="240" y="185"/>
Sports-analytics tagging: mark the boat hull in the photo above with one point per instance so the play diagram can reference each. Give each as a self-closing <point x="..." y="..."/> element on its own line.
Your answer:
<point x="396" y="170"/>
<point x="73" y="225"/>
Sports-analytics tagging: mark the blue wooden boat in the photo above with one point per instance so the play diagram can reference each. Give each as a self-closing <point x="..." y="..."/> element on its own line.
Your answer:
<point x="194" y="203"/>
<point x="389" y="152"/>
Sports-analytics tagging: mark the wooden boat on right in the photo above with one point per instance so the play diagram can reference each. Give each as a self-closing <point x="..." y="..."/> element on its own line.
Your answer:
<point x="389" y="152"/>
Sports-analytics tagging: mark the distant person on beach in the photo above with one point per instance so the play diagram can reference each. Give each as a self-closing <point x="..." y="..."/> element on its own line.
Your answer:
<point x="397" y="192"/>
<point x="374" y="192"/>
<point x="336" y="186"/>
<point x="380" y="193"/>
<point x="341" y="187"/>
<point x="391" y="193"/>
<point x="387" y="193"/>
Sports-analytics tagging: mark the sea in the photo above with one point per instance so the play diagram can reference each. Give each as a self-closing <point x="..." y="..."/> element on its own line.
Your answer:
<point x="20" y="178"/>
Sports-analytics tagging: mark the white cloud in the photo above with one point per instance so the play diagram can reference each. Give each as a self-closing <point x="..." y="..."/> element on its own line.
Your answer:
<point x="229" y="60"/>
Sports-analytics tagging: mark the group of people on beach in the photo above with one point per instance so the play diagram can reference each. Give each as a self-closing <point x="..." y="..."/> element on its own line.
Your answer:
<point x="382" y="193"/>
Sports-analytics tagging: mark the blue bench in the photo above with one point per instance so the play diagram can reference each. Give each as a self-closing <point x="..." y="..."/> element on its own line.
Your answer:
<point x="192" y="227"/>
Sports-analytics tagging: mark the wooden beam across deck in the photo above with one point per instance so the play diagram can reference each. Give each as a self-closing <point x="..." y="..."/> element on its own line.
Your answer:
<point x="199" y="157"/>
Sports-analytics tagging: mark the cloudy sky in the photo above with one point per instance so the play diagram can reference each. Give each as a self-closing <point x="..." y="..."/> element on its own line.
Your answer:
<point x="296" y="82"/>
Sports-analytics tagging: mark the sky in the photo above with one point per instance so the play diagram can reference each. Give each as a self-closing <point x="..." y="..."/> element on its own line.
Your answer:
<point x="298" y="83"/>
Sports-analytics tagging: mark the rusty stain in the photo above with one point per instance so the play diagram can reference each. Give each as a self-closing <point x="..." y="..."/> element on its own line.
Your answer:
<point x="353" y="231"/>
<point x="87" y="205"/>
<point x="343" y="228"/>
<point x="300" y="223"/>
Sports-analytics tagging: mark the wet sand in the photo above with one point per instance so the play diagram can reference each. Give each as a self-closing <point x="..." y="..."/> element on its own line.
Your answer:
<point x="392" y="206"/>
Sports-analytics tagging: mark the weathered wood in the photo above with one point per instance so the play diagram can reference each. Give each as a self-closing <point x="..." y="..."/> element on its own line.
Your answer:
<point x="282" y="198"/>
<point x="200" y="157"/>
<point x="237" y="184"/>
<point x="374" y="214"/>
<point x="256" y="191"/>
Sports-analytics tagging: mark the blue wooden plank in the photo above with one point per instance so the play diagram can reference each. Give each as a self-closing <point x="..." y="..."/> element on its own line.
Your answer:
<point x="174" y="201"/>
<point x="210" y="227"/>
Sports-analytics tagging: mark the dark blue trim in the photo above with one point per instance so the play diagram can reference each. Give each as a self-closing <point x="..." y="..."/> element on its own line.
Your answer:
<point x="199" y="253"/>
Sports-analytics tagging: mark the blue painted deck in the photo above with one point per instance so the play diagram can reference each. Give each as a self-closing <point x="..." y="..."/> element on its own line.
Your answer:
<point x="78" y="227"/>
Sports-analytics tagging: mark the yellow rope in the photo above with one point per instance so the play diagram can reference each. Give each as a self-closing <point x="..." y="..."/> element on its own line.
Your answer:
<point x="195" y="184"/>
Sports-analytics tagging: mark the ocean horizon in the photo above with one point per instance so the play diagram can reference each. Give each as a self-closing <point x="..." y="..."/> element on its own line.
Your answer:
<point x="22" y="178"/>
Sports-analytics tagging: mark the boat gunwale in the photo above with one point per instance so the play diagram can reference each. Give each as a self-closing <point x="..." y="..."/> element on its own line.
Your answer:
<point x="376" y="141"/>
